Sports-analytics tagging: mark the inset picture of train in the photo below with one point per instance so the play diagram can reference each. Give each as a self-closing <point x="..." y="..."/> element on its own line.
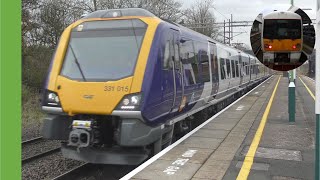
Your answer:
<point x="282" y="40"/>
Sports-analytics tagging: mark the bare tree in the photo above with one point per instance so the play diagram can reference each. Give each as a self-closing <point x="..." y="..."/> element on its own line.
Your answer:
<point x="27" y="23"/>
<point x="165" y="9"/>
<point x="200" y="19"/>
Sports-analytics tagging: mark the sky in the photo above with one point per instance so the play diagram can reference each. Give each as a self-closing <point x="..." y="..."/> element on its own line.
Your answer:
<point x="248" y="10"/>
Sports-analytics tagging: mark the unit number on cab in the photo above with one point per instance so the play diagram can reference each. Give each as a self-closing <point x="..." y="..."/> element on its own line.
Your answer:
<point x="116" y="88"/>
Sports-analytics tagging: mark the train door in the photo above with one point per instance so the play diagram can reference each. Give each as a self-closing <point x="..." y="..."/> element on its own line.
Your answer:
<point x="214" y="68"/>
<point x="178" y="91"/>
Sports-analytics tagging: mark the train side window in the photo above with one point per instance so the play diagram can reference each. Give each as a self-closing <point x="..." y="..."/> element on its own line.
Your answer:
<point x="237" y="69"/>
<point x="228" y="69"/>
<point x="244" y="69"/>
<point x="171" y="58"/>
<point x="176" y="56"/>
<point x="166" y="56"/>
<point x="205" y="66"/>
<point x="222" y="71"/>
<point x="196" y="64"/>
<point x="214" y="64"/>
<point x="247" y="69"/>
<point x="233" y="69"/>
<point x="188" y="61"/>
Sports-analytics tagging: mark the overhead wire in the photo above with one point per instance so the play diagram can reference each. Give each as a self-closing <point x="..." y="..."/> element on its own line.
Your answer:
<point x="227" y="18"/>
<point x="212" y="8"/>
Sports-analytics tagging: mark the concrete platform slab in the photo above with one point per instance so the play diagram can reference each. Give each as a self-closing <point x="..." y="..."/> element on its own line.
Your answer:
<point x="283" y="178"/>
<point x="217" y="134"/>
<point x="220" y="126"/>
<point x="273" y="153"/>
<point x="202" y="142"/>
<point x="215" y="170"/>
<point x="168" y="170"/>
<point x="199" y="157"/>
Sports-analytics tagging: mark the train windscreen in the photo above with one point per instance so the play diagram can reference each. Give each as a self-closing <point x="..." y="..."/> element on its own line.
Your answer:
<point x="103" y="50"/>
<point x="282" y="29"/>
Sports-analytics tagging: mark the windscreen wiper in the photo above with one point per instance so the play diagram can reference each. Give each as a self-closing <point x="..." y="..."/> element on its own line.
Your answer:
<point x="77" y="62"/>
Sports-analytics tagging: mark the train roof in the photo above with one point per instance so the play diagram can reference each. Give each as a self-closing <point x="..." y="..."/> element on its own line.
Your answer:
<point x="187" y="30"/>
<point x="282" y="15"/>
<point x="110" y="13"/>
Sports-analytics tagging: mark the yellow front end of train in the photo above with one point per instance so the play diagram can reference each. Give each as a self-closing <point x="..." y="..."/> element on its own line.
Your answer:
<point x="98" y="62"/>
<point x="282" y="32"/>
<point x="282" y="45"/>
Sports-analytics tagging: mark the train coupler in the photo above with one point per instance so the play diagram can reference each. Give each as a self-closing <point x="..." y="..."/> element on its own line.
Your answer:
<point x="81" y="134"/>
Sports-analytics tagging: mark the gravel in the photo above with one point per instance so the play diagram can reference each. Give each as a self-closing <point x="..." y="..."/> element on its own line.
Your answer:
<point x="48" y="167"/>
<point x="30" y="131"/>
<point x="32" y="149"/>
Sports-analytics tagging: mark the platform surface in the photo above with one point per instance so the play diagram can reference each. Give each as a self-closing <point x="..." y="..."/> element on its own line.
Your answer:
<point x="217" y="151"/>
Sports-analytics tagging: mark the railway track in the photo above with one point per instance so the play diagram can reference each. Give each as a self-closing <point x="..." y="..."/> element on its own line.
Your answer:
<point x="33" y="140"/>
<point x="77" y="171"/>
<point x="36" y="156"/>
<point x="96" y="171"/>
<point x="40" y="155"/>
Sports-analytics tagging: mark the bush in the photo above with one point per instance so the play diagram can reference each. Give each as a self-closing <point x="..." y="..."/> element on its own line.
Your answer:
<point x="31" y="109"/>
<point x="35" y="66"/>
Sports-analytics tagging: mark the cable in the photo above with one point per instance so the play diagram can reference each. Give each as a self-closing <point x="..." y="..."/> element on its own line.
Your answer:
<point x="227" y="18"/>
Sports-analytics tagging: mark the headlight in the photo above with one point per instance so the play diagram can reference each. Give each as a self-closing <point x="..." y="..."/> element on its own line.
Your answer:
<point x="135" y="100"/>
<point x="130" y="102"/>
<point x="50" y="98"/>
<point x="267" y="46"/>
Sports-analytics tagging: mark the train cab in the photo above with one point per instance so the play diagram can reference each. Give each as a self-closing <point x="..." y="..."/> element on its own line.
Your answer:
<point x="282" y="37"/>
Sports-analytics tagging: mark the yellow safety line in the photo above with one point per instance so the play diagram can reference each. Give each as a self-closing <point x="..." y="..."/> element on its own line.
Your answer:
<point x="310" y="92"/>
<point x="246" y="166"/>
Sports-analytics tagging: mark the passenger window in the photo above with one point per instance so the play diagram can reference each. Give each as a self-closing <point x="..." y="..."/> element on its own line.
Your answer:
<point x="247" y="69"/>
<point x="214" y="66"/>
<point x="189" y="62"/>
<point x="176" y="52"/>
<point x="222" y="71"/>
<point x="233" y="69"/>
<point x="195" y="64"/>
<point x="166" y="55"/>
<point x="228" y="69"/>
<point x="176" y="56"/>
<point x="244" y="69"/>
<point x="237" y="69"/>
<point x="204" y="59"/>
<point x="171" y="52"/>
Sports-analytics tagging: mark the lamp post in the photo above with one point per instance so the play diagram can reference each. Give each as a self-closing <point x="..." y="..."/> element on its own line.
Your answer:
<point x="317" y="108"/>
<point x="291" y="93"/>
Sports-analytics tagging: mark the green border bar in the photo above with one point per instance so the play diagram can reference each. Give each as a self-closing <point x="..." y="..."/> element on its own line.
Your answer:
<point x="10" y="89"/>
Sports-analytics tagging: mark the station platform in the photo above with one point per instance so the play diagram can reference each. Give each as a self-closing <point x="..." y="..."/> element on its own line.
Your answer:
<point x="251" y="139"/>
